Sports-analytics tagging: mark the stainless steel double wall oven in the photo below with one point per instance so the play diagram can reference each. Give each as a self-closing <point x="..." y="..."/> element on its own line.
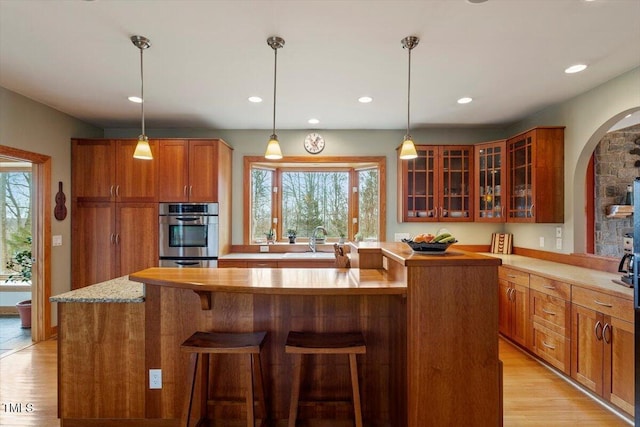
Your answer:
<point x="188" y="234"/>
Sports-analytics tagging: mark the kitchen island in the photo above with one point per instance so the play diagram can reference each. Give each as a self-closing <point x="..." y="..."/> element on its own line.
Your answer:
<point x="430" y="323"/>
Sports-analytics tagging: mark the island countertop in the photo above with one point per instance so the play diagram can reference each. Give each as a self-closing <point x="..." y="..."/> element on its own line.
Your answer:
<point x="275" y="281"/>
<point x="310" y="281"/>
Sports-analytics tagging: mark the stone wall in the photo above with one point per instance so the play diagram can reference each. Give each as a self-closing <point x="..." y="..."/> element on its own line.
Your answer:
<point x="614" y="170"/>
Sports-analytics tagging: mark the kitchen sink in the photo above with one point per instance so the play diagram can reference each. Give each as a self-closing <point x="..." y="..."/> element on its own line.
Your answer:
<point x="309" y="255"/>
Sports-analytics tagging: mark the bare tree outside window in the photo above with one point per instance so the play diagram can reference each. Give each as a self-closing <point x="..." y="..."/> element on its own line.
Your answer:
<point x="369" y="202"/>
<point x="15" y="216"/>
<point x="311" y="199"/>
<point x="261" y="200"/>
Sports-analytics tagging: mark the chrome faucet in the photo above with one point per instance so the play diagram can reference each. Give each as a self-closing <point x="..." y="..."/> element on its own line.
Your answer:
<point x="314" y="236"/>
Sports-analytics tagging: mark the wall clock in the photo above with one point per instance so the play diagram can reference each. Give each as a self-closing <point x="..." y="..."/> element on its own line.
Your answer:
<point x="314" y="143"/>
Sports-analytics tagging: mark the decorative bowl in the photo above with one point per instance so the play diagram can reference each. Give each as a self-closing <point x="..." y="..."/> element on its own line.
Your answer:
<point x="428" y="247"/>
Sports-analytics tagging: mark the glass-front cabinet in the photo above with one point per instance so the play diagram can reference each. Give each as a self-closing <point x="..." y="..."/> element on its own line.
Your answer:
<point x="490" y="182"/>
<point x="536" y="176"/>
<point x="437" y="185"/>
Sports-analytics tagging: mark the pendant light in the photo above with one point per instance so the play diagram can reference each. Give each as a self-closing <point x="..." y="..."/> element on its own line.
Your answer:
<point x="143" y="150"/>
<point x="273" y="146"/>
<point x="408" y="149"/>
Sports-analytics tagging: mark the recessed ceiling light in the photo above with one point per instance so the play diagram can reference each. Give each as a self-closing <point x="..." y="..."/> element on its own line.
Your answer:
<point x="255" y="99"/>
<point x="313" y="121"/>
<point x="476" y="1"/>
<point x="575" y="68"/>
<point x="365" y="99"/>
<point x="135" y="99"/>
<point x="465" y="100"/>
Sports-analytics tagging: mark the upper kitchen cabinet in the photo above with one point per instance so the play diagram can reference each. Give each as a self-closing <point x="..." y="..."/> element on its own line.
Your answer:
<point x="105" y="171"/>
<point x="535" y="162"/>
<point x="490" y="181"/>
<point x="191" y="169"/>
<point x="437" y="185"/>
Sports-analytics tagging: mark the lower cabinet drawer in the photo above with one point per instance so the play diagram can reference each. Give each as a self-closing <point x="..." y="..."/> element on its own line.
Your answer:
<point x="552" y="312"/>
<point x="552" y="347"/>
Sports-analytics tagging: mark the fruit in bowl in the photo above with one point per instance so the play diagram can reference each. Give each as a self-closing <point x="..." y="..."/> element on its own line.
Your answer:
<point x="431" y="243"/>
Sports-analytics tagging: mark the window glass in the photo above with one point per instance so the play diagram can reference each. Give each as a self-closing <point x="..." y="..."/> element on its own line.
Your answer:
<point x="295" y="195"/>
<point x="261" y="203"/>
<point x="369" y="202"/>
<point x="311" y="199"/>
<point x="15" y="219"/>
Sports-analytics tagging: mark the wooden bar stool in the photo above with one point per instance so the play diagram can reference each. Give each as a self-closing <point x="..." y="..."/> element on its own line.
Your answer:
<point x="299" y="343"/>
<point x="206" y="343"/>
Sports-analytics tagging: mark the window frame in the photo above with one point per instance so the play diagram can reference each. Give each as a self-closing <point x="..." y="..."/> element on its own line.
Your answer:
<point x="305" y="163"/>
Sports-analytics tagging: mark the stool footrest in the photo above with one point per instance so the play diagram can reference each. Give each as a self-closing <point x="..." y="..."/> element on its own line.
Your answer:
<point x="325" y="403"/>
<point x="230" y="402"/>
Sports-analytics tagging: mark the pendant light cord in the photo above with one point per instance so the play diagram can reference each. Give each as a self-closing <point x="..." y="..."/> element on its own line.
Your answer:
<point x="275" y="71"/>
<point x="142" y="87"/>
<point x="409" y="92"/>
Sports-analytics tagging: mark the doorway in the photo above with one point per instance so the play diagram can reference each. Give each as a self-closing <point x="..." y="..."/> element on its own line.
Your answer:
<point x="16" y="233"/>
<point x="41" y="226"/>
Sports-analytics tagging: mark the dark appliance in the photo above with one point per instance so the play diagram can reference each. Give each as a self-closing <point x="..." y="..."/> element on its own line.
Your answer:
<point x="188" y="234"/>
<point x="626" y="263"/>
<point x="636" y="290"/>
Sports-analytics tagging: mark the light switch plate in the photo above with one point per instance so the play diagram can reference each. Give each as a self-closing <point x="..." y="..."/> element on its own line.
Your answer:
<point x="56" y="240"/>
<point x="558" y="232"/>
<point x="541" y="243"/>
<point x="264" y="248"/>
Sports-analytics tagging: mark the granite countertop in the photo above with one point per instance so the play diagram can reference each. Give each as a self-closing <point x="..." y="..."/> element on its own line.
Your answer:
<point x="121" y="290"/>
<point x="579" y="276"/>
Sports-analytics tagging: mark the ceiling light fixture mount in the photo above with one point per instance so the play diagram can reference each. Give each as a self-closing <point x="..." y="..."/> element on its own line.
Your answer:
<point x="143" y="150"/>
<point x="273" y="146"/>
<point x="408" y="149"/>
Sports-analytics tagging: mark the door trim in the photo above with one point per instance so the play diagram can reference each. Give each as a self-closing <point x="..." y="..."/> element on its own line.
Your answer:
<point x="40" y="306"/>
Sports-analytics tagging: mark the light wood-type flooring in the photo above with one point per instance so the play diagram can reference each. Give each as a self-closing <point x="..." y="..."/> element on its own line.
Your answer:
<point x="533" y="395"/>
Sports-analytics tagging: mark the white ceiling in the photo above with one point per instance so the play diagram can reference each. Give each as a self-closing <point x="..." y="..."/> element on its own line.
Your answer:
<point x="208" y="57"/>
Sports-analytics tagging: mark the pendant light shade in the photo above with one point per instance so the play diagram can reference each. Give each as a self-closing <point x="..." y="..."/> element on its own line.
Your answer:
<point x="143" y="150"/>
<point x="408" y="149"/>
<point x="273" y="146"/>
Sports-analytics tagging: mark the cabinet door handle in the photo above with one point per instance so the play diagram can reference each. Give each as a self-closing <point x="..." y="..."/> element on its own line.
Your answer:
<point x="553" y="288"/>
<point x="596" y="329"/>
<point x="111" y="191"/>
<point x="548" y="346"/>
<point x="607" y="327"/>
<point x="532" y="210"/>
<point x="512" y="276"/>
<point x="112" y="238"/>
<point x="602" y="303"/>
<point x="190" y="190"/>
<point x="550" y="313"/>
<point x="184" y="191"/>
<point x="117" y="191"/>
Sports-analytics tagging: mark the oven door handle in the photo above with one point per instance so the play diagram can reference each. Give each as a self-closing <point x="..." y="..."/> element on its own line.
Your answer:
<point x="187" y="262"/>
<point x="187" y="218"/>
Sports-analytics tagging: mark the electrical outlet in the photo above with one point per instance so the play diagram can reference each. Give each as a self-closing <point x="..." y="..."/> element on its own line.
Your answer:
<point x="155" y="378"/>
<point x="264" y="248"/>
<point x="558" y="243"/>
<point x="558" y="232"/>
<point x="541" y="243"/>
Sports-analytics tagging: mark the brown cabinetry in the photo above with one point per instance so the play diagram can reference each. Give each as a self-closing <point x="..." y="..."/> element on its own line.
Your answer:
<point x="115" y="211"/>
<point x="190" y="169"/>
<point x="513" y="313"/>
<point x="437" y="185"/>
<point x="603" y="340"/>
<point x="105" y="170"/>
<point x="550" y="307"/>
<point x="112" y="240"/>
<point x="490" y="181"/>
<point x="535" y="162"/>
